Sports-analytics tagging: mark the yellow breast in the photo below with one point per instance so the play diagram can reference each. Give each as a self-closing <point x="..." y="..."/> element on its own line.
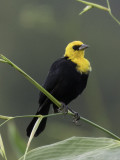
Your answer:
<point x="83" y="65"/>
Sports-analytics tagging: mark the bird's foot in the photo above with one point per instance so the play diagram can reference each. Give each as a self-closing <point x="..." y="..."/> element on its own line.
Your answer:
<point x="63" y="108"/>
<point x="76" y="116"/>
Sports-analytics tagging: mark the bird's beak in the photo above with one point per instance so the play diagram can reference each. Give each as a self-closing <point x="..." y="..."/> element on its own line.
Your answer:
<point x="83" y="46"/>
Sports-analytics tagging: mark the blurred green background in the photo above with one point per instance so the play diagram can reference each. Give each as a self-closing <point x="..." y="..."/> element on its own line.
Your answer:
<point x="33" y="34"/>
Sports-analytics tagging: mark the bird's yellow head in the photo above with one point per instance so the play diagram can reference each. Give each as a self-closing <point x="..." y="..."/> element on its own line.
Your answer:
<point x="75" y="52"/>
<point x="75" y="49"/>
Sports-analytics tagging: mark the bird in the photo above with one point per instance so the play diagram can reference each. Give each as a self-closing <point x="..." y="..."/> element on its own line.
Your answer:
<point x="66" y="79"/>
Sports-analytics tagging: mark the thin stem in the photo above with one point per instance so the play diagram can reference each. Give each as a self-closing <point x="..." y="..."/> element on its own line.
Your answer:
<point x="108" y="4"/>
<point x="26" y="116"/>
<point x="94" y="5"/>
<point x="29" y="116"/>
<point x="53" y="99"/>
<point x="4" y="122"/>
<point x="114" y="18"/>
<point x="111" y="13"/>
<point x="69" y="113"/>
<point x="99" y="127"/>
<point x="1" y="60"/>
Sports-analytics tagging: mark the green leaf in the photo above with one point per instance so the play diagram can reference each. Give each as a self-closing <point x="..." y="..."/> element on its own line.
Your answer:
<point x="2" y="150"/>
<point x="5" y="117"/>
<point x="78" y="148"/>
<point x="85" y="9"/>
<point x="94" y="5"/>
<point x="1" y="60"/>
<point x="32" y="134"/>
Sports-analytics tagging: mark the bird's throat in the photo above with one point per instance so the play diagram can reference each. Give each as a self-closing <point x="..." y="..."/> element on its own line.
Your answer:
<point x="83" y="65"/>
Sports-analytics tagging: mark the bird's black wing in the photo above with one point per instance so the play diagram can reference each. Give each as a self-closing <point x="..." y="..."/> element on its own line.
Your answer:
<point x="51" y="84"/>
<point x="53" y="78"/>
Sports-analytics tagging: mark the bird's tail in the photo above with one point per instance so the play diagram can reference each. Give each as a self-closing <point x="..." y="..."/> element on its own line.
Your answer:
<point x="43" y="110"/>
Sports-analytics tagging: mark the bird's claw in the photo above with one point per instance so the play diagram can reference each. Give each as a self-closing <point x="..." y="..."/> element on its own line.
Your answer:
<point x="63" y="108"/>
<point x="76" y="118"/>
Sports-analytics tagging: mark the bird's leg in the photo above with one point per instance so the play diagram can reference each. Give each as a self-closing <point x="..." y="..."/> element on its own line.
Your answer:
<point x="63" y="108"/>
<point x="76" y="116"/>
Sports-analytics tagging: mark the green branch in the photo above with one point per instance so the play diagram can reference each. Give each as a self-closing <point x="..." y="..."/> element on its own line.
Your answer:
<point x="56" y="114"/>
<point x="94" y="5"/>
<point x="99" y="127"/>
<point x="53" y="99"/>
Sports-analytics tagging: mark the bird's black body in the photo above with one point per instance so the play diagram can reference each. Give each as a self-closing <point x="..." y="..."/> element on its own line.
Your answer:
<point x="65" y="83"/>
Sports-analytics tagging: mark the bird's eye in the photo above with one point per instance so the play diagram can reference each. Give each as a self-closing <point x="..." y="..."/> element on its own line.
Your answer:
<point x="76" y="47"/>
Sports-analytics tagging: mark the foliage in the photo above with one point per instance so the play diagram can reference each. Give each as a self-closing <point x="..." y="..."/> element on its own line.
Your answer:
<point x="78" y="148"/>
<point x="2" y="150"/>
<point x="94" y="5"/>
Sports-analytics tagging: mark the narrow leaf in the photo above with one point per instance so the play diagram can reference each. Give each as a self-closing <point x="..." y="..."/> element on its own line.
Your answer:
<point x="94" y="5"/>
<point x="1" y="60"/>
<point x="86" y="9"/>
<point x="32" y="134"/>
<point x="5" y="117"/>
<point x="2" y="150"/>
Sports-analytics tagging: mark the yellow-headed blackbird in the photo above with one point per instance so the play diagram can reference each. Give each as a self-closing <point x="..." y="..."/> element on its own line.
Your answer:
<point x="66" y="80"/>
